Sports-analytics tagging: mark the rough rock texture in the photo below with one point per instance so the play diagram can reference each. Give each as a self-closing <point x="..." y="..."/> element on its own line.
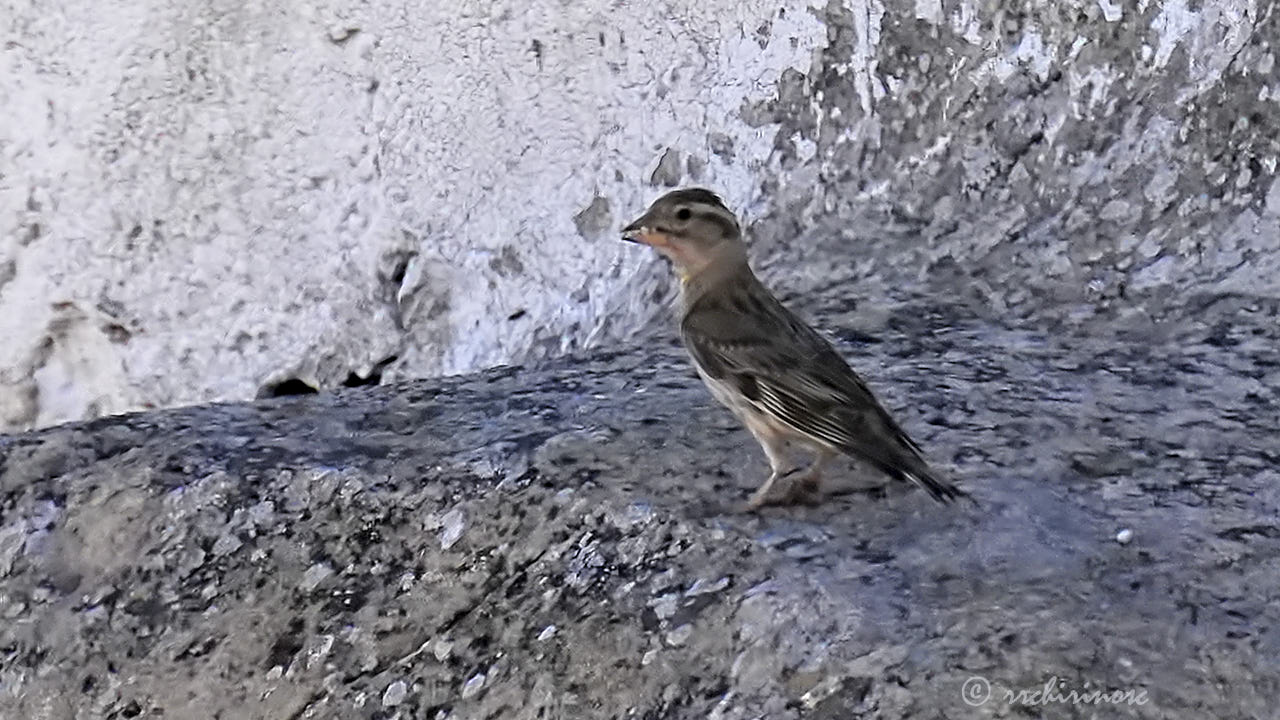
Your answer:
<point x="198" y="202"/>
<point x="1108" y="157"/>
<point x="553" y="543"/>
<point x="202" y="202"/>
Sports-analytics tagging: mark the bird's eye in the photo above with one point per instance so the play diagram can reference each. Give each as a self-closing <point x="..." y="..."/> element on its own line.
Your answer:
<point x="683" y="214"/>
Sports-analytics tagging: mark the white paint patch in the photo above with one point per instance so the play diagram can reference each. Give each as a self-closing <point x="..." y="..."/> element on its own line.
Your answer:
<point x="937" y="147"/>
<point x="805" y="149"/>
<point x="234" y="184"/>
<point x="1030" y="51"/>
<point x="1273" y="199"/>
<point x="1033" y="52"/>
<point x="1111" y="11"/>
<point x="1211" y="35"/>
<point x="1076" y="46"/>
<point x="930" y="11"/>
<point x="1261" y="274"/>
<point x="966" y="22"/>
<point x="1160" y="189"/>
<point x="1172" y="24"/>
<point x="866" y="26"/>
<point x="1160" y="272"/>
<point x="1097" y="82"/>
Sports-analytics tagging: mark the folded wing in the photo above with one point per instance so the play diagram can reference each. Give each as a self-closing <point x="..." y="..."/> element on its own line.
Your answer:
<point x="791" y="373"/>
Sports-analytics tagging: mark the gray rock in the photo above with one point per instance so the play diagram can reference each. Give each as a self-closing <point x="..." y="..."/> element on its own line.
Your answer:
<point x="473" y="686"/>
<point x="620" y="535"/>
<point x="1054" y="164"/>
<point x="668" y="171"/>
<point x="452" y="526"/>
<point x="1048" y="239"/>
<point x="395" y="694"/>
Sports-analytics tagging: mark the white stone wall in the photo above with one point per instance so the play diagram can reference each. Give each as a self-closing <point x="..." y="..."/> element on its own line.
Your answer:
<point x="200" y="199"/>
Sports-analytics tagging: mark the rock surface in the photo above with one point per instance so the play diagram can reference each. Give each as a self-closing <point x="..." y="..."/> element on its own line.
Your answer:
<point x="555" y="543"/>
<point x="207" y="203"/>
<point x="201" y="203"/>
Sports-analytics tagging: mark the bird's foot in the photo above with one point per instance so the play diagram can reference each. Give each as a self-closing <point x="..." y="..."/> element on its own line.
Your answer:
<point x="802" y="487"/>
<point x="759" y="500"/>
<point x="805" y="492"/>
<point x="805" y="489"/>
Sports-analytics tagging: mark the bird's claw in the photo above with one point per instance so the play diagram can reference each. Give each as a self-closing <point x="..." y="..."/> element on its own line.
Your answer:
<point x="803" y="490"/>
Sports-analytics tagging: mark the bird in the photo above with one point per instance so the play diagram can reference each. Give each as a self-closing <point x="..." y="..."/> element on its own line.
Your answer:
<point x="781" y="378"/>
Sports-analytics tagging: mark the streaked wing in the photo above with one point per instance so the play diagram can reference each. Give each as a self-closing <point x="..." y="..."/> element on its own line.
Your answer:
<point x="745" y="337"/>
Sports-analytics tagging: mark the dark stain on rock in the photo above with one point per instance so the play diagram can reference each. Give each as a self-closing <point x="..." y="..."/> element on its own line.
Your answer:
<point x="287" y="388"/>
<point x="593" y="220"/>
<point x="668" y="171"/>
<point x="374" y="377"/>
<point x="721" y="145"/>
<point x="507" y="262"/>
<point x="286" y="645"/>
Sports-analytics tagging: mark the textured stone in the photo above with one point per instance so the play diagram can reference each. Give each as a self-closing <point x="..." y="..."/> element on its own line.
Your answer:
<point x="204" y="204"/>
<point x="1124" y="538"/>
<point x="1046" y="232"/>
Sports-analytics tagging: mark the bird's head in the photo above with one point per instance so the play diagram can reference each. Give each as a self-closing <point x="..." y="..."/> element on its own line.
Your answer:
<point x="691" y="227"/>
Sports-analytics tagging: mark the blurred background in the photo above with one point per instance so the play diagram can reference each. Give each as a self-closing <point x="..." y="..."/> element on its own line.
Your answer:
<point x="227" y="200"/>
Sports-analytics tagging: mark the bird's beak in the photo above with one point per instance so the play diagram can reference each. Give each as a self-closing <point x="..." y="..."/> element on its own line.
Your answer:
<point x="640" y="232"/>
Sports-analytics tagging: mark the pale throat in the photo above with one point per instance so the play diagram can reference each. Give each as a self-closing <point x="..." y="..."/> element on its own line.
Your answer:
<point x="687" y="263"/>
<point x="691" y="264"/>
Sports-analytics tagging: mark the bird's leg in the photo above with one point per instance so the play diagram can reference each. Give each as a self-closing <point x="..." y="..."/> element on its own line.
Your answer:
<point x="808" y="486"/>
<point x="774" y="448"/>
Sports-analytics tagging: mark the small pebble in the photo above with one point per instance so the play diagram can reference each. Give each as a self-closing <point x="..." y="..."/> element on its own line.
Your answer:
<point x="395" y="694"/>
<point x="262" y="513"/>
<point x="665" y="606"/>
<point x="680" y="635"/>
<point x="1124" y="536"/>
<point x="226" y="545"/>
<point x="315" y="575"/>
<point x="547" y="632"/>
<point x="701" y="588"/>
<point x="442" y="650"/>
<point x="454" y="523"/>
<point x="473" y="686"/>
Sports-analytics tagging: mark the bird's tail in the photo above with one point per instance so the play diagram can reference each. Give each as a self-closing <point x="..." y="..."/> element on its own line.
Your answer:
<point x="938" y="489"/>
